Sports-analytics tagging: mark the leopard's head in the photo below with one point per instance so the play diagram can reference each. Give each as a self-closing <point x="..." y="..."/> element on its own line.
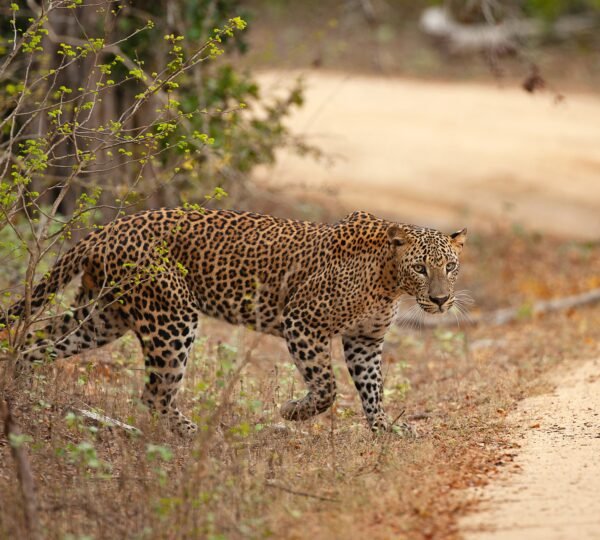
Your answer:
<point x="427" y="263"/>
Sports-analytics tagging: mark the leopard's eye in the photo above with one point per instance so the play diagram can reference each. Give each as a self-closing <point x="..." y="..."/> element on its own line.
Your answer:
<point x="420" y="269"/>
<point x="450" y="266"/>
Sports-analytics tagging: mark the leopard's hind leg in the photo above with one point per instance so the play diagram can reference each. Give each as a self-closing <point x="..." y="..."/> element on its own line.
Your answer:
<point x="165" y="320"/>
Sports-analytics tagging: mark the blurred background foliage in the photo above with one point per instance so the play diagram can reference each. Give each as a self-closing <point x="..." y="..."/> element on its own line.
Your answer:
<point x="214" y="129"/>
<point x="226" y="125"/>
<point x="553" y="9"/>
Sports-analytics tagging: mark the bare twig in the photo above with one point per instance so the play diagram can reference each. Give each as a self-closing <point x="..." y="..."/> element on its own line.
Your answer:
<point x="300" y="493"/>
<point x="418" y="416"/>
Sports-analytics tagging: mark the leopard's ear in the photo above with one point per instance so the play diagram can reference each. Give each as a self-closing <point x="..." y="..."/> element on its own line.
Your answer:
<point x="397" y="236"/>
<point x="458" y="239"/>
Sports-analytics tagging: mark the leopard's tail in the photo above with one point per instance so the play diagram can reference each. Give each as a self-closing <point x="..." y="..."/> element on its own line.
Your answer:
<point x="64" y="270"/>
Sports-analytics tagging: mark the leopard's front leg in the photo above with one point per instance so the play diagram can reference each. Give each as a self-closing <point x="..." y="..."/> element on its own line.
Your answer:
<point x="310" y="350"/>
<point x="363" y="357"/>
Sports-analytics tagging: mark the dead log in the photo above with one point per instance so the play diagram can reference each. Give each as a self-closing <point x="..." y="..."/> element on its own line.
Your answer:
<point x="503" y="316"/>
<point x="503" y="37"/>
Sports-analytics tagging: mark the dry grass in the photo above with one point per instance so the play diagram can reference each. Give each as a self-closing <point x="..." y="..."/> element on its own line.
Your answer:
<point x="248" y="474"/>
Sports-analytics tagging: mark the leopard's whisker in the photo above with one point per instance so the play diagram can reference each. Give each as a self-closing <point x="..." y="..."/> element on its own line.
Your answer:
<point x="461" y="312"/>
<point x="408" y="319"/>
<point x="464" y="297"/>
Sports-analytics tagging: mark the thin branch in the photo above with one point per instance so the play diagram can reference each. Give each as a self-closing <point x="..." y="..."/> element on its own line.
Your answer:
<point x="300" y="493"/>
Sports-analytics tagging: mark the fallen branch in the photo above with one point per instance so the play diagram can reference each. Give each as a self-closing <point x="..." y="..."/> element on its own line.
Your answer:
<point x="24" y="474"/>
<point x="103" y="420"/>
<point x="511" y="314"/>
<point x="506" y="315"/>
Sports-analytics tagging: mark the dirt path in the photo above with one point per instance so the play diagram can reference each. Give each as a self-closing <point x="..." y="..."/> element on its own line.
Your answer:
<point x="554" y="491"/>
<point x="449" y="154"/>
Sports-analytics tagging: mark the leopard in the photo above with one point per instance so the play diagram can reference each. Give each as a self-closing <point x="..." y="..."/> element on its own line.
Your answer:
<point x="157" y="272"/>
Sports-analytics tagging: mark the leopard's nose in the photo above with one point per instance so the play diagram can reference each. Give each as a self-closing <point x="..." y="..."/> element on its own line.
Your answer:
<point x="439" y="300"/>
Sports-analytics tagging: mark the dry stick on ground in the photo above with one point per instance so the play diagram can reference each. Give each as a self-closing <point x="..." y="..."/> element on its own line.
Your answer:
<point x="24" y="474"/>
<point x="300" y="493"/>
<point x="507" y="315"/>
<point x="103" y="420"/>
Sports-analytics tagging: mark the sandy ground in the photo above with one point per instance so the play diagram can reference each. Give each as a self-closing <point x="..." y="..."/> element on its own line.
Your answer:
<point x="449" y="154"/>
<point x="553" y="492"/>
